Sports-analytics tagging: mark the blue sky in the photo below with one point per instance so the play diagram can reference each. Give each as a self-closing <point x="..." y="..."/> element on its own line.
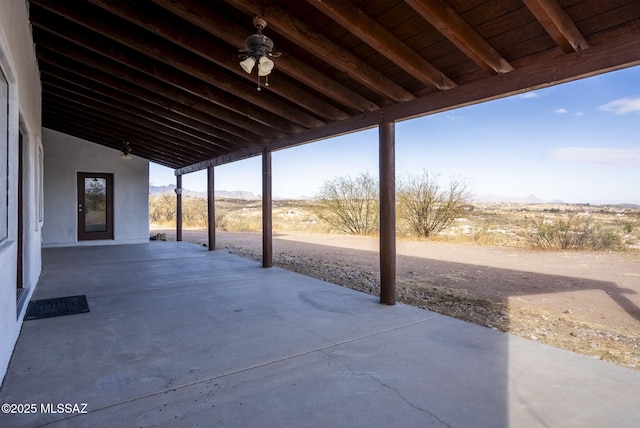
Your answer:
<point x="576" y="142"/>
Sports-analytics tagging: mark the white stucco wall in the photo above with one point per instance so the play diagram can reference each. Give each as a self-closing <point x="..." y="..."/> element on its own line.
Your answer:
<point x="19" y="65"/>
<point x="64" y="157"/>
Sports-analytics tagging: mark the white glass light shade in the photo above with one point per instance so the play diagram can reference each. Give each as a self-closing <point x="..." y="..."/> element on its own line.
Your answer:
<point x="247" y="64"/>
<point x="265" y="66"/>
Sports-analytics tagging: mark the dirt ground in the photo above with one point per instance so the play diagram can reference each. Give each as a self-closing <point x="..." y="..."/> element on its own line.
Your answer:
<point x="586" y="302"/>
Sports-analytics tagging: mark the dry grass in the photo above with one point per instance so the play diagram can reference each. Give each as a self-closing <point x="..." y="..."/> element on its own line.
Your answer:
<point x="518" y="225"/>
<point x="608" y="228"/>
<point x="246" y="216"/>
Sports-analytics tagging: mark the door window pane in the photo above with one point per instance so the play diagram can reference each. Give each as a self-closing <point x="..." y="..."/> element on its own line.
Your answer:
<point x="95" y="209"/>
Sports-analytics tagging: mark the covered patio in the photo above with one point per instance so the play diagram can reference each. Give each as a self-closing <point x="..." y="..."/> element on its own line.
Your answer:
<point x="171" y="81"/>
<point x="181" y="336"/>
<point x="178" y="335"/>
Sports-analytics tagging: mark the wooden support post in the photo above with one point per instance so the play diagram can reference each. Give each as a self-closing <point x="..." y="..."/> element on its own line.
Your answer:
<point x="267" y="231"/>
<point x="211" y="208"/>
<point x="179" y="208"/>
<point x="387" y="213"/>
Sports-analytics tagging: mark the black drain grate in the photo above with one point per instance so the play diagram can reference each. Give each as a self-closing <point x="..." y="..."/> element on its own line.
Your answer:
<point x="56" y="307"/>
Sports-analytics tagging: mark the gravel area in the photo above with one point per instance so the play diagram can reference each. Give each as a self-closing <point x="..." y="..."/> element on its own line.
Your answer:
<point x="586" y="302"/>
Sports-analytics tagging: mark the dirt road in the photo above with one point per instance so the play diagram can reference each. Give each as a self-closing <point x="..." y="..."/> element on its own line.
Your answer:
<point x="586" y="302"/>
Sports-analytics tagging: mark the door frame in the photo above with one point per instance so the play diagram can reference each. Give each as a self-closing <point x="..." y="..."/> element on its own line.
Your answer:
<point x="108" y="233"/>
<point x="20" y="237"/>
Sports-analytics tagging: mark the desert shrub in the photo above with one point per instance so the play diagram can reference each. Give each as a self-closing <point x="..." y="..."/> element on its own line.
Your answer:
<point x="349" y="204"/>
<point x="162" y="208"/>
<point x="96" y="195"/>
<point x="221" y="220"/>
<point x="239" y="221"/>
<point x="606" y="239"/>
<point x="425" y="207"/>
<point x="195" y="212"/>
<point x="573" y="232"/>
<point x="297" y="216"/>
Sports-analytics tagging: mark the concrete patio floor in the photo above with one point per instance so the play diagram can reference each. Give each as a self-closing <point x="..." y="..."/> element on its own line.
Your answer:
<point x="180" y="336"/>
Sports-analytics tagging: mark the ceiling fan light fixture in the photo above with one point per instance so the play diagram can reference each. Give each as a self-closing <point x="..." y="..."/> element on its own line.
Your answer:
<point x="258" y="50"/>
<point x="125" y="151"/>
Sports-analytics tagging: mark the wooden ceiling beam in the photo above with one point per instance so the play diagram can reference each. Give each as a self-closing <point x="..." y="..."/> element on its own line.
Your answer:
<point x="131" y="95"/>
<point x="166" y="96"/>
<point x="375" y="35"/>
<point x="201" y="15"/>
<point x="73" y="119"/>
<point x="165" y="158"/>
<point x="163" y="79"/>
<point x="558" y="24"/>
<point x="77" y="115"/>
<point x="230" y="92"/>
<point x="120" y="115"/>
<point x="92" y="99"/>
<point x="76" y="91"/>
<point x="453" y="26"/>
<point x="617" y="54"/>
<point x="299" y="33"/>
<point x="203" y="45"/>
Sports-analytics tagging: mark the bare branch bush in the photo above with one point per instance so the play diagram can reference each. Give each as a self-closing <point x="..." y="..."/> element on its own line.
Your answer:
<point x="350" y="204"/>
<point x="425" y="207"/>
<point x="573" y="232"/>
<point x="195" y="212"/>
<point x="162" y="208"/>
<point x="96" y="195"/>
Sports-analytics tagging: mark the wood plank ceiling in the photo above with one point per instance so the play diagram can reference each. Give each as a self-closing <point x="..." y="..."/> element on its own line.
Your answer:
<point x="164" y="75"/>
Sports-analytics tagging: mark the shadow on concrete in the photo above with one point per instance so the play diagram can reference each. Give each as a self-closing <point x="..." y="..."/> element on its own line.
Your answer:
<point x="422" y="272"/>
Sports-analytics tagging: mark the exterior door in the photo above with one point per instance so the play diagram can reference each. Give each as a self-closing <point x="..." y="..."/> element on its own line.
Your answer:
<point x="95" y="206"/>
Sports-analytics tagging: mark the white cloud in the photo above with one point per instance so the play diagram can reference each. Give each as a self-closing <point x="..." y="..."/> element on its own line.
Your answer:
<point x="580" y="114"/>
<point x="599" y="155"/>
<point x="622" y="106"/>
<point x="560" y="111"/>
<point x="453" y="117"/>
<point x="529" y="95"/>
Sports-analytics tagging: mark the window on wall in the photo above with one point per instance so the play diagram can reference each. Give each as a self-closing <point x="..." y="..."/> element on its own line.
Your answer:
<point x="4" y="156"/>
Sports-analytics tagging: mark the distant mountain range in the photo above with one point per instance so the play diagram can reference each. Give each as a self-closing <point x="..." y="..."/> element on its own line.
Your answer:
<point x="225" y="194"/>
<point x="531" y="199"/>
<point x="242" y="194"/>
